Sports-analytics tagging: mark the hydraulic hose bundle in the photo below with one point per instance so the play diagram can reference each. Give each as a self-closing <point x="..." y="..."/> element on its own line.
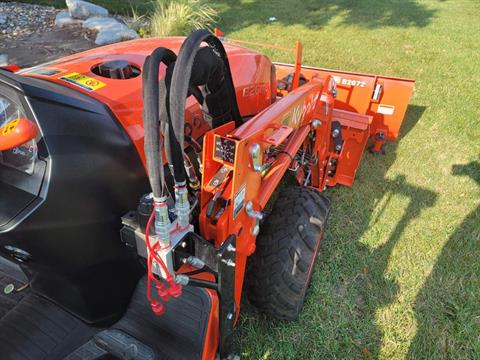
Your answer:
<point x="164" y="111"/>
<point x="153" y="153"/>
<point x="182" y="77"/>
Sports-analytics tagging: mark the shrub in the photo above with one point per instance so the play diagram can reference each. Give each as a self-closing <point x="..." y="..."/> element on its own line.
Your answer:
<point x="180" y="17"/>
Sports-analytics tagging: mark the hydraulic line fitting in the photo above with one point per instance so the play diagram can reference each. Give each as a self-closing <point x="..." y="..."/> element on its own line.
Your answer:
<point x="194" y="261"/>
<point x="182" y="206"/>
<point x="162" y="221"/>
<point x="192" y="176"/>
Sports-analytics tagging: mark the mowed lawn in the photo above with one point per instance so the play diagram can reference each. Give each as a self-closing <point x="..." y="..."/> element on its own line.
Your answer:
<point x="399" y="271"/>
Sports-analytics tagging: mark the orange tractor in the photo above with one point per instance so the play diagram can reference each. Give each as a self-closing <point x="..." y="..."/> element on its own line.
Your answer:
<point x="141" y="183"/>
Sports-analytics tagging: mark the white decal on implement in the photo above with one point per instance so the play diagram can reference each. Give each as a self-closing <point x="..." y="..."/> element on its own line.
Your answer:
<point x="386" y="109"/>
<point x="239" y="201"/>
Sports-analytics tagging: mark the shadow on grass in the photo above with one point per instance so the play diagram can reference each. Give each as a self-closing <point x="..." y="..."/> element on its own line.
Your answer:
<point x="447" y="308"/>
<point x="351" y="282"/>
<point x="314" y="13"/>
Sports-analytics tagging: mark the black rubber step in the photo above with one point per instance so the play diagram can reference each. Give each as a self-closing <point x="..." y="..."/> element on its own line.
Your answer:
<point x="32" y="327"/>
<point x="178" y="334"/>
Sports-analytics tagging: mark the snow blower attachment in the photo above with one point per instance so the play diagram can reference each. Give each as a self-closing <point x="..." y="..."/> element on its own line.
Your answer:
<point x="203" y="132"/>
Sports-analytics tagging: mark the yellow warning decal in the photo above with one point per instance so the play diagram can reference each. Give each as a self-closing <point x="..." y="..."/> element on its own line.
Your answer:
<point x="10" y="127"/>
<point x="85" y="82"/>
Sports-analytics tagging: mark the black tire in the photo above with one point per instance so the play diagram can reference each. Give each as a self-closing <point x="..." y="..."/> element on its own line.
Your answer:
<point x="281" y="268"/>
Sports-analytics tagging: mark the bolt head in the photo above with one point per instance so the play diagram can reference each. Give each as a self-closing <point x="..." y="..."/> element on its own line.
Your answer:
<point x="255" y="149"/>
<point x="8" y="289"/>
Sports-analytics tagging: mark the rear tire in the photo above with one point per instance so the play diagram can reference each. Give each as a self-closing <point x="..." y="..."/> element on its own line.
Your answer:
<point x="281" y="267"/>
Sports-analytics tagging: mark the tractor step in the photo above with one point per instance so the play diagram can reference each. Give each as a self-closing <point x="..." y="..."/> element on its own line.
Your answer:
<point x="32" y="327"/>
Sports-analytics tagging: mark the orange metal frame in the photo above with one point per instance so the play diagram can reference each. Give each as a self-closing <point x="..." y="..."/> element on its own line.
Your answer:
<point x="365" y="105"/>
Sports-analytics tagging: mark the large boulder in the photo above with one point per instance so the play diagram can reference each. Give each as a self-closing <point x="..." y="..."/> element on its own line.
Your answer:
<point x="63" y="18"/>
<point x="100" y="23"/>
<point x="114" y="34"/>
<point x="82" y="10"/>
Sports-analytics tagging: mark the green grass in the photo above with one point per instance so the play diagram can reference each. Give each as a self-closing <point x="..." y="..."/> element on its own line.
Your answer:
<point x="399" y="272"/>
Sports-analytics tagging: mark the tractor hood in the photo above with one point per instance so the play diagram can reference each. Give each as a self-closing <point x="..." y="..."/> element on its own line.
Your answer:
<point x="119" y="88"/>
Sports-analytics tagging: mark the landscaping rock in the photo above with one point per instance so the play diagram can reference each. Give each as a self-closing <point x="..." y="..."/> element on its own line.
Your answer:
<point x="63" y="18"/>
<point x="20" y="19"/>
<point x="115" y="33"/>
<point x="82" y="10"/>
<point x="109" y="30"/>
<point x="100" y="23"/>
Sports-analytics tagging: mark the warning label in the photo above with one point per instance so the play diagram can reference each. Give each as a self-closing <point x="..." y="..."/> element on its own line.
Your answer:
<point x="85" y="82"/>
<point x="10" y="127"/>
<point x="239" y="201"/>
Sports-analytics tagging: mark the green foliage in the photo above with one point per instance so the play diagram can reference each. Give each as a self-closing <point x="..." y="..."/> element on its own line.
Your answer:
<point x="180" y="17"/>
<point x="137" y="22"/>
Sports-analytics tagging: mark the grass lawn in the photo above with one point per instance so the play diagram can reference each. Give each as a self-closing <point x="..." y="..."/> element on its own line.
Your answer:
<point x="399" y="272"/>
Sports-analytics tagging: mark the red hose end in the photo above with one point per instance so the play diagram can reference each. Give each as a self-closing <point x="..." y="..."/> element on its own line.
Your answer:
<point x="175" y="289"/>
<point x="157" y="307"/>
<point x="163" y="292"/>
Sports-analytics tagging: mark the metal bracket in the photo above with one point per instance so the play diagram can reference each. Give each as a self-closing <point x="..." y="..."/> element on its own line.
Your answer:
<point x="226" y="280"/>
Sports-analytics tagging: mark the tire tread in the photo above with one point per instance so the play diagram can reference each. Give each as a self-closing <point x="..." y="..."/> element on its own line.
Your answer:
<point x="288" y="240"/>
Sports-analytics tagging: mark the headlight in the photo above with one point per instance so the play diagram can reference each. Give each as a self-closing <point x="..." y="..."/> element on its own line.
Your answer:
<point x="23" y="156"/>
<point x="9" y="111"/>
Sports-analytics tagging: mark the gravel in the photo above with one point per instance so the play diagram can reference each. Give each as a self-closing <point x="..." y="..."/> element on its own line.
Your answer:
<point x="28" y="35"/>
<point x="19" y="19"/>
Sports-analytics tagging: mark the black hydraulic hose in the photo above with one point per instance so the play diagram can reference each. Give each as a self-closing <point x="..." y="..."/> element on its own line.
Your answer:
<point x="180" y="85"/>
<point x="151" y="117"/>
<point x="202" y="283"/>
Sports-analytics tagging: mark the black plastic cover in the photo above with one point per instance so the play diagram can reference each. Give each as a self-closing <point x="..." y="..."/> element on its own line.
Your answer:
<point x="93" y="175"/>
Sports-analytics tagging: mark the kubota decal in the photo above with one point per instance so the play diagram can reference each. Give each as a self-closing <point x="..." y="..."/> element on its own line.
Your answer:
<point x="254" y="90"/>
<point x="85" y="82"/>
<point x="296" y="116"/>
